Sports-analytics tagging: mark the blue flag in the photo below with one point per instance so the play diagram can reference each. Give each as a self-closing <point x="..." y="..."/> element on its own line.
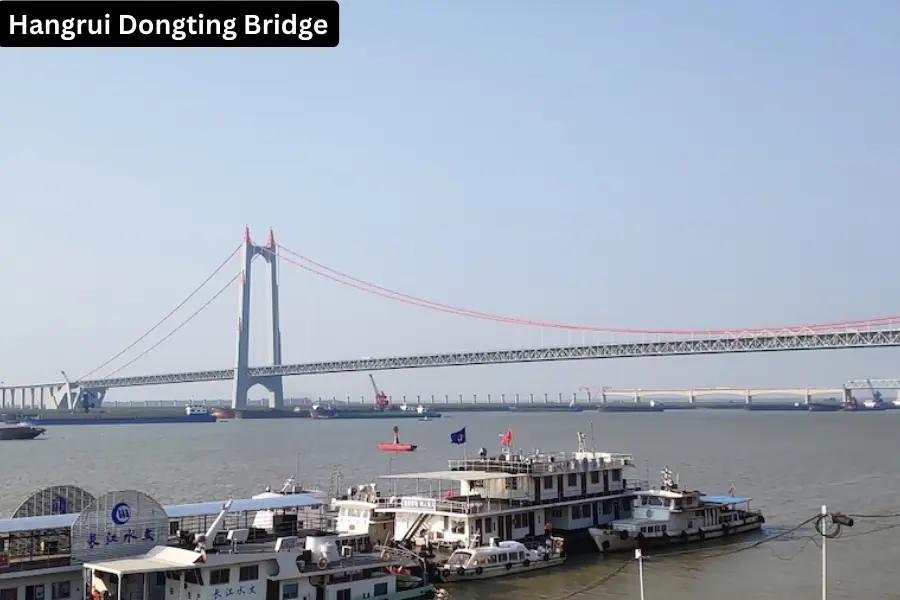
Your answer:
<point x="458" y="437"/>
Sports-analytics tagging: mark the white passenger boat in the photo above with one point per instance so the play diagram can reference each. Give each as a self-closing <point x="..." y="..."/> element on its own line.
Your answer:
<point x="670" y="516"/>
<point x="516" y="496"/>
<point x="499" y="559"/>
<point x="316" y="567"/>
<point x="55" y="531"/>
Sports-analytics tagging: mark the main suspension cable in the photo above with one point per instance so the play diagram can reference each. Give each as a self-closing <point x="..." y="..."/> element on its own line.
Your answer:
<point x="366" y="286"/>
<point x="164" y="319"/>
<point x="177" y="329"/>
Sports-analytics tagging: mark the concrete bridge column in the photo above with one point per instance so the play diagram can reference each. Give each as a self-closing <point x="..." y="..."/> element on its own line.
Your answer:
<point x="460" y="398"/>
<point x="748" y="397"/>
<point x="532" y="399"/>
<point x="575" y="397"/>
<point x="602" y="397"/>
<point x="517" y="398"/>
<point x="546" y="400"/>
<point x="808" y="397"/>
<point x="559" y="399"/>
<point x="637" y="397"/>
<point x="692" y="397"/>
<point x="2" y="397"/>
<point x="474" y="398"/>
<point x="489" y="399"/>
<point x="502" y="398"/>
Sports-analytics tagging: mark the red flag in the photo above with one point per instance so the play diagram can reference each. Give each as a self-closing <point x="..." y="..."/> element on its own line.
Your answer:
<point x="731" y="489"/>
<point x="506" y="440"/>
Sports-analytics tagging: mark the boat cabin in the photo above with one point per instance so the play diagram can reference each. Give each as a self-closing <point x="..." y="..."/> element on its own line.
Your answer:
<point x="315" y="568"/>
<point x="514" y="495"/>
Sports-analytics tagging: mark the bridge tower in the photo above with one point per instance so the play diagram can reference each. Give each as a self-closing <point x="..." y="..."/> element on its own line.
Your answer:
<point x="243" y="381"/>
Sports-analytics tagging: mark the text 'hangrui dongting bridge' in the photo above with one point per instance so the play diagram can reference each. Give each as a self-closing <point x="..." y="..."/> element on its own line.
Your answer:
<point x="871" y="333"/>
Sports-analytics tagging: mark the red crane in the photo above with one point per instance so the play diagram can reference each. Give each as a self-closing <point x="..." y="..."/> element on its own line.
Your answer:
<point x="381" y="399"/>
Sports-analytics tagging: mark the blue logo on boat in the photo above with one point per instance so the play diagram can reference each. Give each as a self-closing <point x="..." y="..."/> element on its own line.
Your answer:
<point x="121" y="513"/>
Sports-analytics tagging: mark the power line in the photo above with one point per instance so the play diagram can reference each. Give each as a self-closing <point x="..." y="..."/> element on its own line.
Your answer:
<point x="177" y="329"/>
<point x="161" y="321"/>
<point x="349" y="280"/>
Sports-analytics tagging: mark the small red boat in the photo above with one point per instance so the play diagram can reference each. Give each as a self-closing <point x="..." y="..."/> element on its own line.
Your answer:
<point x="396" y="446"/>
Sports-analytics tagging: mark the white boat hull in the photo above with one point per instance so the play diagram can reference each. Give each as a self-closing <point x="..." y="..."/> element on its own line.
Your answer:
<point x="449" y="575"/>
<point x="609" y="541"/>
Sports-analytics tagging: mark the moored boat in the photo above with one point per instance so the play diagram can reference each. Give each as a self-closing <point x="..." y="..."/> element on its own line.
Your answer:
<point x="670" y="516"/>
<point x="499" y="559"/>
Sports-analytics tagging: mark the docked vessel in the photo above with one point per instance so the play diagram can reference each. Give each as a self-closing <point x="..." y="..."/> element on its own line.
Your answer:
<point x="570" y="408"/>
<point x="670" y="516"/>
<point x="192" y="414"/>
<point x="322" y="411"/>
<point x="516" y="496"/>
<point x="499" y="559"/>
<point x="628" y="407"/>
<point x="19" y="431"/>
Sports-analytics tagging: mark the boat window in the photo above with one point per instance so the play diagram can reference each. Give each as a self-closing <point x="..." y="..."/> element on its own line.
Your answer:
<point x="459" y="558"/>
<point x="663" y="527"/>
<point x="557" y="513"/>
<point x="576" y="512"/>
<point x="690" y="524"/>
<point x="548" y="482"/>
<point x="248" y="573"/>
<point x="617" y="475"/>
<point x="512" y="483"/>
<point x="219" y="576"/>
<point x="476" y="483"/>
<point x="458" y="527"/>
<point x="193" y="576"/>
<point x="59" y="590"/>
<point x="492" y="559"/>
<point x="290" y="591"/>
<point x="344" y="594"/>
<point x="502" y="558"/>
<point x="381" y="589"/>
<point x="595" y="476"/>
<point x="572" y="480"/>
<point x="654" y="501"/>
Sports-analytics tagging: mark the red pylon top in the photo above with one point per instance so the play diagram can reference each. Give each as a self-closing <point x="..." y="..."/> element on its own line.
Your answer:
<point x="247" y="234"/>
<point x="271" y="241"/>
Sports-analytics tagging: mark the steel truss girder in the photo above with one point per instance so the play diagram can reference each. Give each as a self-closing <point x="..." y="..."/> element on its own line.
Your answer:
<point x="736" y="344"/>
<point x="877" y="384"/>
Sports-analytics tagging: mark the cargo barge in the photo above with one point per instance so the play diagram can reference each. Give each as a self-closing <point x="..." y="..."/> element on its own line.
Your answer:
<point x="192" y="414"/>
<point x="324" y="412"/>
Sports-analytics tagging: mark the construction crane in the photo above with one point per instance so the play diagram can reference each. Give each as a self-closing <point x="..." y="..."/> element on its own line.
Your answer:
<point x="381" y="399"/>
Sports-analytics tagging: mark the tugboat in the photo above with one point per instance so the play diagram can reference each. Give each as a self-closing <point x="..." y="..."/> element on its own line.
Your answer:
<point x="19" y="431"/>
<point x="670" y="516"/>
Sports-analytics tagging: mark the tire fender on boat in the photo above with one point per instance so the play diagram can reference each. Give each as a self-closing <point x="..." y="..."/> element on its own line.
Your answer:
<point x="479" y="570"/>
<point x="322" y="563"/>
<point x="725" y="530"/>
<point x="684" y="534"/>
<point x="702" y="534"/>
<point x="547" y="556"/>
<point x="623" y="535"/>
<point x="762" y="519"/>
<point x="445" y="573"/>
<point x="508" y="566"/>
<point x="527" y="563"/>
<point x="461" y="571"/>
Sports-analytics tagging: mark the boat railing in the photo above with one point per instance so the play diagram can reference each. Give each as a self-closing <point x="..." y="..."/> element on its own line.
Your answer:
<point x="540" y="464"/>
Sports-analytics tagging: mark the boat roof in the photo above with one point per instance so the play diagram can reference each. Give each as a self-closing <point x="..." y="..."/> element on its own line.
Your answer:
<point x="451" y="475"/>
<point x="160" y="558"/>
<point x="723" y="500"/>
<point x="175" y="511"/>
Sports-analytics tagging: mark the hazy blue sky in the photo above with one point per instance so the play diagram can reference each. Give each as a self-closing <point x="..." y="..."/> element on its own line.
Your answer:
<point x="712" y="164"/>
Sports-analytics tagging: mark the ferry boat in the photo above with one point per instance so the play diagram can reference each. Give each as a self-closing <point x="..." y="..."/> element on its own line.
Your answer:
<point x="670" y="516"/>
<point x="19" y="431"/>
<point x="516" y="496"/>
<point x="499" y="559"/>
<point x="58" y="530"/>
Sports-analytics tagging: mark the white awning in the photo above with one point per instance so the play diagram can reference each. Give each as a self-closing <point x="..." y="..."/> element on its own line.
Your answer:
<point x="161" y="558"/>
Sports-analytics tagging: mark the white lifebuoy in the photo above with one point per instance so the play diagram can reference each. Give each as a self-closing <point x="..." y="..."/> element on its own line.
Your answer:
<point x="322" y="563"/>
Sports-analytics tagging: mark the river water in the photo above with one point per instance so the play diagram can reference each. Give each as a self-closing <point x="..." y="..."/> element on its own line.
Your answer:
<point x="790" y="463"/>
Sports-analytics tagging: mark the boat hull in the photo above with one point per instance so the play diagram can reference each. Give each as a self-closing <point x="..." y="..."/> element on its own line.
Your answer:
<point x="386" y="447"/>
<point x="449" y="575"/>
<point x="547" y="409"/>
<point x="609" y="542"/>
<point x="360" y="414"/>
<point x="631" y="408"/>
<point x="824" y="407"/>
<point x="21" y="432"/>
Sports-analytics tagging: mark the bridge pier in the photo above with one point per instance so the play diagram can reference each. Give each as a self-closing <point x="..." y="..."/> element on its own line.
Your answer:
<point x="748" y="398"/>
<point x="808" y="398"/>
<point x="692" y="397"/>
<point x="637" y="397"/>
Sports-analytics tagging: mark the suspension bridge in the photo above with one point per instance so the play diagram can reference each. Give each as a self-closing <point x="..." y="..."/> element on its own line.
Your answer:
<point x="870" y="333"/>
